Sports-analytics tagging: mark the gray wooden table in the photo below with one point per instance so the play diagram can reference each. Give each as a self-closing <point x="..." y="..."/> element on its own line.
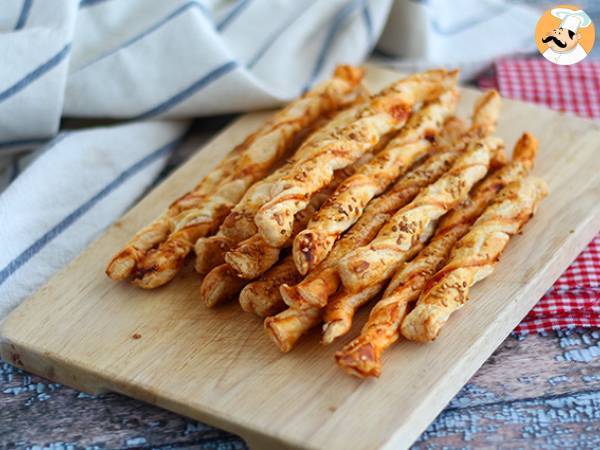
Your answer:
<point x="536" y="392"/>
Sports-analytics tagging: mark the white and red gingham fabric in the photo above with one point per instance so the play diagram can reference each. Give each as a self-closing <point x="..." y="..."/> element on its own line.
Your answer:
<point x="574" y="300"/>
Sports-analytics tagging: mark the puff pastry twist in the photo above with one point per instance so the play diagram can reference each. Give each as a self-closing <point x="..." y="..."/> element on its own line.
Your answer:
<point x="473" y="258"/>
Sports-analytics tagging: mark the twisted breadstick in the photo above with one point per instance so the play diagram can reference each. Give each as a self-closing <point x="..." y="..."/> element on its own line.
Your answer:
<point x="384" y="113"/>
<point x="348" y="202"/>
<point x="199" y="212"/>
<point x="239" y="224"/>
<point x="219" y="285"/>
<point x="262" y="297"/>
<point x="289" y="325"/>
<point x="362" y="356"/>
<point x="413" y="223"/>
<point x="473" y="258"/>
<point x="225" y="281"/>
<point x="254" y="256"/>
<point x="340" y="310"/>
<point x="210" y="252"/>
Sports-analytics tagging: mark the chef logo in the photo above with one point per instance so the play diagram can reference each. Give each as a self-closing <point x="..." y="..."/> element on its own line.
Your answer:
<point x="565" y="35"/>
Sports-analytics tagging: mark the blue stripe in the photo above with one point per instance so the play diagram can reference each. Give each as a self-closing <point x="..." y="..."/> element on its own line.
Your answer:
<point x="26" y="8"/>
<point x="273" y="38"/>
<point x="69" y="220"/>
<point x="150" y="30"/>
<point x="36" y="73"/>
<point x="22" y="143"/>
<point x="233" y="13"/>
<point x="368" y="24"/>
<point x="15" y="170"/>
<point x="86" y="3"/>
<point x="189" y="91"/>
<point x="50" y="144"/>
<point x="336" y="24"/>
<point x="386" y="54"/>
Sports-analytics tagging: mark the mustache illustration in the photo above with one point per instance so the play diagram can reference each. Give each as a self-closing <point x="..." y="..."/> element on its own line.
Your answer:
<point x="556" y="41"/>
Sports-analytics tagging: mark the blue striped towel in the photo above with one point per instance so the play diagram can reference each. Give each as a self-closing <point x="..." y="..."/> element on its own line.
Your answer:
<point x="152" y="65"/>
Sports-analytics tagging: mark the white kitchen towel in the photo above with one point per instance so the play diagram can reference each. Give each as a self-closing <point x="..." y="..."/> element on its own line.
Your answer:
<point x="141" y="59"/>
<point x="138" y="61"/>
<point x="80" y="182"/>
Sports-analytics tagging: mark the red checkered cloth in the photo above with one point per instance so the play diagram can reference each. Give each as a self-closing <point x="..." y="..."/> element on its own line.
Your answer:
<point x="574" y="300"/>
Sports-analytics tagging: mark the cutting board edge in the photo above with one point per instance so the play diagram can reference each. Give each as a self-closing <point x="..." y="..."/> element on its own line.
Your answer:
<point x="60" y="370"/>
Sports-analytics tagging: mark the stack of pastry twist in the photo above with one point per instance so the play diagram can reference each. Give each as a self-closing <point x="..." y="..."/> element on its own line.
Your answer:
<point x="343" y="198"/>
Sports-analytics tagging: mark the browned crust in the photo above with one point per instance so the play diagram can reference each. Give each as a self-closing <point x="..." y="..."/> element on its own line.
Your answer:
<point x="220" y="285"/>
<point x="262" y="296"/>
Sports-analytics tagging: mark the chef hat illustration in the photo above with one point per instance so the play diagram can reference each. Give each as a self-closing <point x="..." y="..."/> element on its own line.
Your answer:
<point x="572" y="20"/>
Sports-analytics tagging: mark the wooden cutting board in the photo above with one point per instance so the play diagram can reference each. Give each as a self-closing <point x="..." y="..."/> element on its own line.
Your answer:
<point x="164" y="347"/>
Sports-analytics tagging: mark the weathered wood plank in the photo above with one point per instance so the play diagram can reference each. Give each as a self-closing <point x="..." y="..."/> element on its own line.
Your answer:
<point x="541" y="392"/>
<point x="561" y="363"/>
<point x="562" y="421"/>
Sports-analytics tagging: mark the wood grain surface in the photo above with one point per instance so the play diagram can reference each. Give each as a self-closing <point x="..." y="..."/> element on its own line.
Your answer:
<point x="533" y="392"/>
<point x="217" y="366"/>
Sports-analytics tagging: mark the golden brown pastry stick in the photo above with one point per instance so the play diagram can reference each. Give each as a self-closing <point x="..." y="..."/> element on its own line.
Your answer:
<point x="224" y="282"/>
<point x="262" y="296"/>
<point x="348" y="202"/>
<point x="473" y="258"/>
<point x="167" y="240"/>
<point x="323" y="282"/>
<point x="219" y="285"/>
<point x="210" y="252"/>
<point x="340" y="311"/>
<point x="124" y="263"/>
<point x="254" y="256"/>
<point x="289" y="325"/>
<point x="411" y="225"/>
<point x="384" y="113"/>
<point x="362" y="356"/>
